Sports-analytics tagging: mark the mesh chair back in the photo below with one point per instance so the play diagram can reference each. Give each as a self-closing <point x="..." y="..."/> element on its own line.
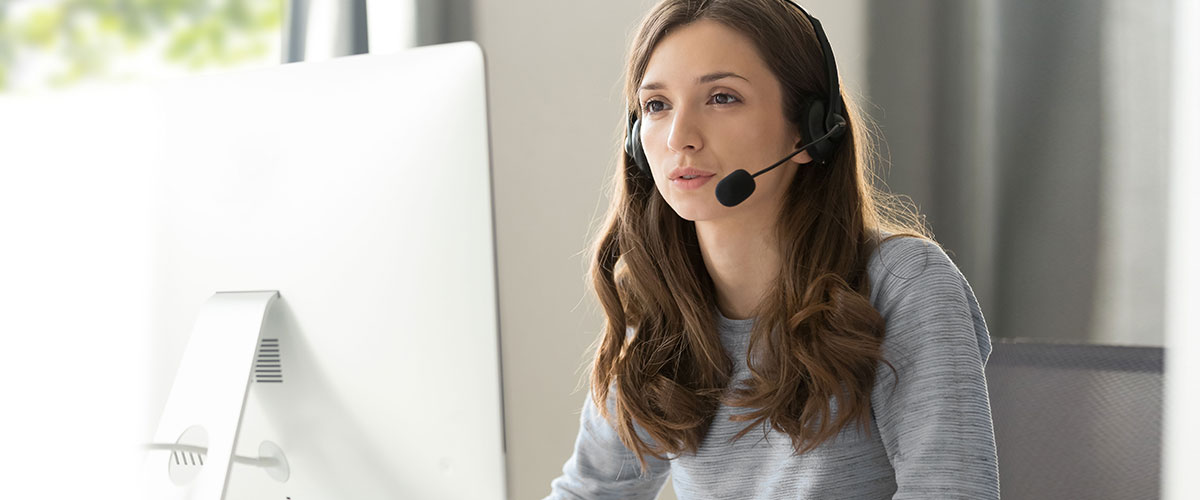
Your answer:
<point x="1076" y="421"/>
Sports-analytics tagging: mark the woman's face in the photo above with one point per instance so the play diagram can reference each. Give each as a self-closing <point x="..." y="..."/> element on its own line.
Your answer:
<point x="709" y="102"/>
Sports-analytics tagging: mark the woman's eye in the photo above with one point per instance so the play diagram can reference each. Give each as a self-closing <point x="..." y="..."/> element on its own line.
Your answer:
<point x="731" y="98"/>
<point x="719" y="98"/>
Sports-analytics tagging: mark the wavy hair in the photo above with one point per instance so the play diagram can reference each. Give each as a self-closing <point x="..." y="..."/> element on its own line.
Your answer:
<point x="816" y="340"/>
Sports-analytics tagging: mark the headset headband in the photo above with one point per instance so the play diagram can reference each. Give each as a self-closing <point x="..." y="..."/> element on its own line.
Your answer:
<point x="835" y="91"/>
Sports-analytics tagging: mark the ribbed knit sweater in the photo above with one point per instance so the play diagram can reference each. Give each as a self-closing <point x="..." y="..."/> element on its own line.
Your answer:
<point x="931" y="431"/>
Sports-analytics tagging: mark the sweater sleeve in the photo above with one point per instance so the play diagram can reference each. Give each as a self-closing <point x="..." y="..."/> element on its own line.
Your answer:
<point x="602" y="467"/>
<point x="934" y="419"/>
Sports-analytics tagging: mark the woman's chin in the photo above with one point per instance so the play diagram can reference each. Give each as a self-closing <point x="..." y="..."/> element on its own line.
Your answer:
<point x="696" y="210"/>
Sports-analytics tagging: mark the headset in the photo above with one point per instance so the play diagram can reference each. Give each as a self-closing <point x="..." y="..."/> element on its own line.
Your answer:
<point x="822" y="122"/>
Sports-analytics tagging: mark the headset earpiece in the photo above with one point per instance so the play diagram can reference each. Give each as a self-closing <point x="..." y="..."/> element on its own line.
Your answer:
<point x="814" y="127"/>
<point x="839" y="122"/>
<point x="633" y="146"/>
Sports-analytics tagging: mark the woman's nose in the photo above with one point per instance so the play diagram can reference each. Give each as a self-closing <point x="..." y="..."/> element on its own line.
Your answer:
<point x="684" y="133"/>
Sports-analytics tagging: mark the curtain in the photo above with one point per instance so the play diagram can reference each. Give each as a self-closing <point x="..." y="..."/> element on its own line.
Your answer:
<point x="1033" y="137"/>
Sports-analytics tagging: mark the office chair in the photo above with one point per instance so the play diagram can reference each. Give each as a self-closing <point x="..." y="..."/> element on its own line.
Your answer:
<point x="1076" y="421"/>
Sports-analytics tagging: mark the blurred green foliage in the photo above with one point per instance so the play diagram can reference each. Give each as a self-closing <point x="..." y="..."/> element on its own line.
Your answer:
<point x="87" y="35"/>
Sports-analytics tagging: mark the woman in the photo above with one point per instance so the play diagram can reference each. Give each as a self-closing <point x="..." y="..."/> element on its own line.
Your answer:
<point x="802" y="337"/>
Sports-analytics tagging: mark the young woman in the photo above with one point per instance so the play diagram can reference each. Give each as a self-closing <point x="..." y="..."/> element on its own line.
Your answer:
<point x="795" y="335"/>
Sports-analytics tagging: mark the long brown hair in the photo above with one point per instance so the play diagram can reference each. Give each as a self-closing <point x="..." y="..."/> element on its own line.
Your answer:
<point x="815" y="340"/>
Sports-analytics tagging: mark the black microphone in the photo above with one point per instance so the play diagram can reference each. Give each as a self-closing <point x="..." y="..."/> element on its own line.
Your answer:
<point x="739" y="185"/>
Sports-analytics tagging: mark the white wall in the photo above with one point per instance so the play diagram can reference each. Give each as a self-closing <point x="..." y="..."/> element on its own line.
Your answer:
<point x="1181" y="437"/>
<point x="556" y="112"/>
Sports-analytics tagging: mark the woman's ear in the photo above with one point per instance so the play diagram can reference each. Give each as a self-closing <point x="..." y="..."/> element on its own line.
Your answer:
<point x="803" y="156"/>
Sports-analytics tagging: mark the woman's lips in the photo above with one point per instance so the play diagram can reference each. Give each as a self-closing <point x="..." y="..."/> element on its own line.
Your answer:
<point x="689" y="184"/>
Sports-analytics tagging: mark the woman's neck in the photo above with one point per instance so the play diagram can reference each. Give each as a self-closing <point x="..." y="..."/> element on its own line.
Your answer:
<point x="743" y="260"/>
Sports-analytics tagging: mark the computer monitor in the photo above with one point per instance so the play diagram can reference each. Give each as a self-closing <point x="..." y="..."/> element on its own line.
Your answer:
<point x="324" y="283"/>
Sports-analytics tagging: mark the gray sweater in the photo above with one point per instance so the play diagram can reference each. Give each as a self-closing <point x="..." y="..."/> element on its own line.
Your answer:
<point x="931" y="432"/>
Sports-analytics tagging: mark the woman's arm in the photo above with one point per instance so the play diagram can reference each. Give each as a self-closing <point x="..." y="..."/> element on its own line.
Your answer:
<point x="602" y="467"/>
<point x="935" y="421"/>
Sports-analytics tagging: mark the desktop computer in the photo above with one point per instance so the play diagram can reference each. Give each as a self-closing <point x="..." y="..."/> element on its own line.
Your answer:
<point x="325" y="318"/>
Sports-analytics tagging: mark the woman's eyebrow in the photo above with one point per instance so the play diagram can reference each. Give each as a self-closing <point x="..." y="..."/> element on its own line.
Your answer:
<point x="711" y="77"/>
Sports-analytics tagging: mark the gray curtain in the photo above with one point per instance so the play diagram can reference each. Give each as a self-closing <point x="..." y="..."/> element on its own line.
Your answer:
<point x="351" y="29"/>
<point x="438" y="21"/>
<point x="444" y="21"/>
<point x="1033" y="136"/>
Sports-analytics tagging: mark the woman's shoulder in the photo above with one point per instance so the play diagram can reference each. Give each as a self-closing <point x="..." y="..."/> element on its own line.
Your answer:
<point x="912" y="267"/>
<point x="906" y="256"/>
<point x="913" y="281"/>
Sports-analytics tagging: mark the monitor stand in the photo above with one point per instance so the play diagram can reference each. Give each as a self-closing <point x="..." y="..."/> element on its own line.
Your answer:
<point x="193" y="449"/>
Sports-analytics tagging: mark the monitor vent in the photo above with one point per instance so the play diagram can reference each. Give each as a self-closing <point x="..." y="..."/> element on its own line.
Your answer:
<point x="267" y="366"/>
<point x="187" y="458"/>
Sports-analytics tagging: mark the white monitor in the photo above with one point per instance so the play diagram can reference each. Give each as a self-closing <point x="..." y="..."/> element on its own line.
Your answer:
<point x="358" y="189"/>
